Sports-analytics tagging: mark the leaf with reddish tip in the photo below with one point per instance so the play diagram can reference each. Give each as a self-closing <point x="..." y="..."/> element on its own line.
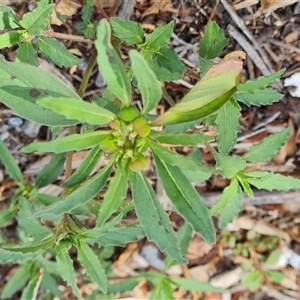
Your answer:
<point x="207" y="96"/>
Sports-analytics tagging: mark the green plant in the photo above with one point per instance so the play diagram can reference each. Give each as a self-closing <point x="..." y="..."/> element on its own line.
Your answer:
<point x="126" y="137"/>
<point x="261" y="253"/>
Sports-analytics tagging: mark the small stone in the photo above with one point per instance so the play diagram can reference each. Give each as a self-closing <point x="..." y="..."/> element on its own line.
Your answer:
<point x="15" y="121"/>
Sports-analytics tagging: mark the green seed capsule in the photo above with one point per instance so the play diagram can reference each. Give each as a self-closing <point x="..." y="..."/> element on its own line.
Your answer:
<point x="129" y="113"/>
<point x="139" y="163"/>
<point x="141" y="126"/>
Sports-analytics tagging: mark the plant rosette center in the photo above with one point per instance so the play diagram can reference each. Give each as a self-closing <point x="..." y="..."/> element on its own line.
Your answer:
<point x="128" y="139"/>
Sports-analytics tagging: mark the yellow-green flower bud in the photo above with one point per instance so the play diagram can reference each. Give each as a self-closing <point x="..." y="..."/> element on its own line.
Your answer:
<point x="129" y="113"/>
<point x="138" y="163"/>
<point x="141" y="126"/>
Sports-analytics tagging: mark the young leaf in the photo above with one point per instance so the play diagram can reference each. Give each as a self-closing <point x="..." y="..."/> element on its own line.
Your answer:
<point x="67" y="272"/>
<point x="51" y="171"/>
<point x="179" y="128"/>
<point x="7" y="214"/>
<point x="32" y="288"/>
<point x="180" y="138"/>
<point x="258" y="98"/>
<point x="186" y="199"/>
<point x="273" y="258"/>
<point x="8" y="39"/>
<point x="20" y="92"/>
<point x="268" y="147"/>
<point x="85" y="168"/>
<point x="275" y="276"/>
<point x="228" y="195"/>
<point x="123" y="286"/>
<point x="207" y="96"/>
<point x="213" y="41"/>
<point x="79" y="197"/>
<point x="29" y="224"/>
<point x="120" y="236"/>
<point x="147" y="82"/>
<point x="27" y="54"/>
<point x="78" y="110"/>
<point x="159" y="37"/>
<point x="191" y="284"/>
<point x="184" y="238"/>
<point x="227" y="123"/>
<point x="128" y="32"/>
<point x="168" y="59"/>
<point x="8" y="19"/>
<point x="10" y="164"/>
<point x="7" y="256"/>
<point x="230" y="165"/>
<point x="35" y="21"/>
<point x="244" y="183"/>
<point x="230" y="204"/>
<point x="113" y="197"/>
<point x="163" y="290"/>
<point x="253" y="280"/>
<point x="259" y="84"/>
<point x="74" y="142"/>
<point x="16" y="282"/>
<point x="91" y="263"/>
<point x="35" y="246"/>
<point x="204" y="65"/>
<point x="271" y="181"/>
<point x="153" y="218"/>
<point x="193" y="171"/>
<point x="56" y="52"/>
<point x="110" y="64"/>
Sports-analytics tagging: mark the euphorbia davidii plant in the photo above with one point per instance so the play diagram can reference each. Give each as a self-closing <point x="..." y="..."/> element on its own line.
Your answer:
<point x="128" y="137"/>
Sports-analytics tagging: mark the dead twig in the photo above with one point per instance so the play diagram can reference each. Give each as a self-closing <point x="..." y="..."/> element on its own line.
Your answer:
<point x="65" y="36"/>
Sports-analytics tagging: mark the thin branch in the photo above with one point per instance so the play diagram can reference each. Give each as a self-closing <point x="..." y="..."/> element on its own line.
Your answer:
<point x="65" y="36"/>
<point x="101" y="9"/>
<point x="115" y="8"/>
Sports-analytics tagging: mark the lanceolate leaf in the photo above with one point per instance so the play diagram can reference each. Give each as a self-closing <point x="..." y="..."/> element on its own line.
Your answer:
<point x="10" y="164"/>
<point x="72" y="108"/>
<point x="159" y="37"/>
<point x="186" y="199"/>
<point x="7" y="256"/>
<point x="120" y="236"/>
<point x="57" y="52"/>
<point x="147" y="82"/>
<point x="230" y="204"/>
<point x="111" y="66"/>
<point x="180" y="138"/>
<point x="16" y="282"/>
<point x="178" y="128"/>
<point x="230" y="165"/>
<point x="207" y="96"/>
<point x="8" y="19"/>
<point x="227" y="122"/>
<point x="113" y="197"/>
<point x="32" y="288"/>
<point x="51" y="171"/>
<point x="20" y="92"/>
<point x="258" y="98"/>
<point x="193" y="171"/>
<point x="213" y="41"/>
<point x="128" y="32"/>
<point x="268" y="147"/>
<point x="93" y="267"/>
<point x="270" y="181"/>
<point x="153" y="218"/>
<point x="65" y="265"/>
<point x="35" y="21"/>
<point x="27" y="54"/>
<point x="85" y="168"/>
<point x="35" y="246"/>
<point x="29" y="224"/>
<point x="260" y="83"/>
<point x="68" y="143"/>
<point x="162" y="290"/>
<point x="123" y="285"/>
<point x="7" y="214"/>
<point x="80" y="197"/>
